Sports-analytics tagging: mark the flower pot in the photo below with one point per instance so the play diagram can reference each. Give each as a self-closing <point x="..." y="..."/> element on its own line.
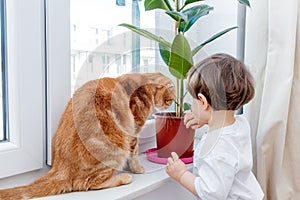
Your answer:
<point x="172" y="135"/>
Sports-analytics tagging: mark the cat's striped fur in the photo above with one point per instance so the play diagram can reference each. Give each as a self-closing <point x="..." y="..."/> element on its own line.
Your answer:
<point x="98" y="135"/>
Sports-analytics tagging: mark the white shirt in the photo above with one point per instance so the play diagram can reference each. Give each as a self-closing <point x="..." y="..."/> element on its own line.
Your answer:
<point x="223" y="163"/>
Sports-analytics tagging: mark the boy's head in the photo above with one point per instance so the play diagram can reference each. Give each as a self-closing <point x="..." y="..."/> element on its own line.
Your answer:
<point x="223" y="80"/>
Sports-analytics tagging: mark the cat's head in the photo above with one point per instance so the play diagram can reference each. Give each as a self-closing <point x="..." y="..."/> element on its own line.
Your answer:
<point x="163" y="90"/>
<point x="148" y="87"/>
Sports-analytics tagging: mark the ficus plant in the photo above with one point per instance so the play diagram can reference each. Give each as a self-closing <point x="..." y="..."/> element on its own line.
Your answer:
<point x="178" y="55"/>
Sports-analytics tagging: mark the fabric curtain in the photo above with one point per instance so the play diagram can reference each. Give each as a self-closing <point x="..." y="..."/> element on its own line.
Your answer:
<point x="272" y="53"/>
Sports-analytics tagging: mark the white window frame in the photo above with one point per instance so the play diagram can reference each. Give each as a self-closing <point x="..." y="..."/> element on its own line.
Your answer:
<point x="25" y="59"/>
<point x="58" y="64"/>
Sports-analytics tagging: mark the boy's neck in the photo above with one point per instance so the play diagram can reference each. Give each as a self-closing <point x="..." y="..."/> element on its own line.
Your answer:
<point x="221" y="118"/>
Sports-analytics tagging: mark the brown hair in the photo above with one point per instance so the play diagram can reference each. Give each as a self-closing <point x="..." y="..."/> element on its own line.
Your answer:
<point x="223" y="80"/>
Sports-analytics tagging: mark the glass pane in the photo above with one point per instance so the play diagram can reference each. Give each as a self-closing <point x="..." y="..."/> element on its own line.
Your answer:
<point x="99" y="47"/>
<point x="2" y="73"/>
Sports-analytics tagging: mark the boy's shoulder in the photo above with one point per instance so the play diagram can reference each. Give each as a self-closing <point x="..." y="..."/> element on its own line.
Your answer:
<point x="226" y="143"/>
<point x="217" y="144"/>
<point x="222" y="151"/>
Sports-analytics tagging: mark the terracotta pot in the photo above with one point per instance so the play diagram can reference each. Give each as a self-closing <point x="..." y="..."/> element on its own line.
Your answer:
<point x="172" y="135"/>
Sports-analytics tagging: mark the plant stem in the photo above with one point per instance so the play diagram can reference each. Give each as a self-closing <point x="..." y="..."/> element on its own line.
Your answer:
<point x="177" y="106"/>
<point x="181" y="95"/>
<point x="176" y="5"/>
<point x="176" y="22"/>
<point x="178" y="98"/>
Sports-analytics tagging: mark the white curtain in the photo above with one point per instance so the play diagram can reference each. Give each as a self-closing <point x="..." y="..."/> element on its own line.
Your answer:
<point x="273" y="55"/>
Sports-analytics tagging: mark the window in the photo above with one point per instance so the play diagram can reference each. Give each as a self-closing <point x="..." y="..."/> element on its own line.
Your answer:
<point x="38" y="60"/>
<point x="98" y="33"/>
<point x="115" y="50"/>
<point x="22" y="33"/>
<point x="93" y="30"/>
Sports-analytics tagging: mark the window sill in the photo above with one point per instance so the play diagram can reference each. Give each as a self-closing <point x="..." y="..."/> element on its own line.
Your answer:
<point x="154" y="178"/>
<point x="142" y="185"/>
<point x="7" y="146"/>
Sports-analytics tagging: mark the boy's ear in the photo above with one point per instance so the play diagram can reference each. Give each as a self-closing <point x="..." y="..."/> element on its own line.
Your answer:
<point x="203" y="99"/>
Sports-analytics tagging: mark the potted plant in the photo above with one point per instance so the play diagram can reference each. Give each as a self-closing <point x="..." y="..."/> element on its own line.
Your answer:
<point x="178" y="56"/>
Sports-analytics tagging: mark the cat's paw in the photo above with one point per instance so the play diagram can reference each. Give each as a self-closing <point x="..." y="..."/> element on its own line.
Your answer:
<point x="125" y="178"/>
<point x="137" y="168"/>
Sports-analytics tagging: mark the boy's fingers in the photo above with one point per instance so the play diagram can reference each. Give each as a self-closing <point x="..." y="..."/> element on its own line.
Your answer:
<point x="170" y="161"/>
<point x="187" y="117"/>
<point x="175" y="156"/>
<point x="190" y="123"/>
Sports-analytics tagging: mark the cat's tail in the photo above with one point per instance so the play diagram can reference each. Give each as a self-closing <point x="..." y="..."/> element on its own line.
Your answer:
<point x="44" y="186"/>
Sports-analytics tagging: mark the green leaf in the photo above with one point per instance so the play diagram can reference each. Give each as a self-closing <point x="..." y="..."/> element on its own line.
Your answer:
<point x="181" y="57"/>
<point x="165" y="53"/>
<point x="187" y="106"/>
<point x="177" y="15"/>
<point x="212" y="38"/>
<point x="193" y="14"/>
<point x="187" y="2"/>
<point x="245" y="2"/>
<point x="146" y="34"/>
<point x="157" y="4"/>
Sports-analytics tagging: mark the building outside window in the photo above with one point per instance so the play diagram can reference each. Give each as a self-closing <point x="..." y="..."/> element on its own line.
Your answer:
<point x="97" y="33"/>
<point x="95" y="20"/>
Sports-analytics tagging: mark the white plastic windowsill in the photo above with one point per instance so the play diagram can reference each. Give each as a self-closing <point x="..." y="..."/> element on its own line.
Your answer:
<point x="154" y="178"/>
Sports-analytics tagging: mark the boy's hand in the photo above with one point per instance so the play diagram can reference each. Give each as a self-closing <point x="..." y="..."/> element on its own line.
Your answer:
<point x="175" y="167"/>
<point x="190" y="121"/>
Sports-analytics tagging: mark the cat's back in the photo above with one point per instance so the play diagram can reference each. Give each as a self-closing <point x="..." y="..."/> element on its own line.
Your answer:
<point x="107" y="83"/>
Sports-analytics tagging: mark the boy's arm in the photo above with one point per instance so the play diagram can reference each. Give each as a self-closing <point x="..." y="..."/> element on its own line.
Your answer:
<point x="187" y="180"/>
<point x="177" y="170"/>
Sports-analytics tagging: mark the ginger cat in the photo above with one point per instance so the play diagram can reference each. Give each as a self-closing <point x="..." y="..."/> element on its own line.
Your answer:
<point x="98" y="135"/>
